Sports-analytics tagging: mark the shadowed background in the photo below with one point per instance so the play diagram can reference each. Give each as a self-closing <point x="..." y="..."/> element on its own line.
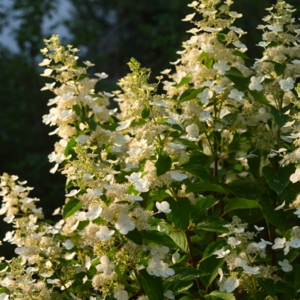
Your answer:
<point x="108" y="33"/>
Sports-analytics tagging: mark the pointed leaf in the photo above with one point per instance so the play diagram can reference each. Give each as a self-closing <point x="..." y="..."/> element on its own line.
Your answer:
<point x="152" y="285"/>
<point x="163" y="164"/>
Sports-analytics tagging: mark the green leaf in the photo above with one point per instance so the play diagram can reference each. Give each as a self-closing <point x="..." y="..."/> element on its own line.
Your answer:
<point x="214" y="246"/>
<point x="69" y="149"/>
<point x="246" y="188"/>
<point x="213" y="224"/>
<point x="183" y="81"/>
<point x="145" y="112"/>
<point x="278" y="179"/>
<point x="259" y="97"/>
<point x="202" y="55"/>
<point x="181" y="211"/>
<point x="180" y="240"/>
<point x="93" y="122"/>
<point x="240" y="203"/>
<point x="221" y="37"/>
<point x="188" y="143"/>
<point x="204" y="187"/>
<point x="157" y="237"/>
<point x="279" y="68"/>
<point x="237" y="78"/>
<point x="135" y="236"/>
<point x="185" y="274"/>
<point x="190" y="94"/>
<point x="240" y="54"/>
<point x="210" y="269"/>
<point x="71" y="207"/>
<point x="177" y="286"/>
<point x="208" y="63"/>
<point x="83" y="224"/>
<point x="267" y="285"/>
<point x="279" y="117"/>
<point x="152" y="285"/>
<point x="297" y="278"/>
<point x="81" y="77"/>
<point x="197" y="170"/>
<point x="254" y="163"/>
<point x="276" y="217"/>
<point x="78" y="110"/>
<point x="202" y="206"/>
<point x="163" y="164"/>
<point x="216" y="295"/>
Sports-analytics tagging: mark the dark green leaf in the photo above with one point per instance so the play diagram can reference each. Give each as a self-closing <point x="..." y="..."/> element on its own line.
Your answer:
<point x="210" y="269"/>
<point x="185" y="274"/>
<point x="208" y="63"/>
<point x="237" y="78"/>
<point x="181" y="211"/>
<point x="221" y="37"/>
<point x="246" y="188"/>
<point x="268" y="286"/>
<point x="259" y="97"/>
<point x="78" y="110"/>
<point x="279" y="117"/>
<point x="152" y="285"/>
<point x="93" y="122"/>
<point x="213" y="224"/>
<point x="137" y="122"/>
<point x="190" y="94"/>
<point x="157" y="238"/>
<point x="204" y="187"/>
<point x="278" y="179"/>
<point x="83" y="224"/>
<point x="279" y="68"/>
<point x="240" y="54"/>
<point x="254" y="163"/>
<point x="180" y="240"/>
<point x="81" y="77"/>
<point x="71" y="207"/>
<point x="145" y="112"/>
<point x="183" y="81"/>
<point x="217" y="295"/>
<point x="240" y="203"/>
<point x="69" y="149"/>
<point x="297" y="278"/>
<point x="202" y="55"/>
<point x="188" y="143"/>
<point x="135" y="236"/>
<point x="197" y="170"/>
<point x="214" y="246"/>
<point x="276" y="217"/>
<point x="163" y="164"/>
<point x="177" y="285"/>
<point x="202" y="206"/>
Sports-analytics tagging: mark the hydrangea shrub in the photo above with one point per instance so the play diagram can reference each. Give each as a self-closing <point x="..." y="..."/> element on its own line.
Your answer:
<point x="191" y="193"/>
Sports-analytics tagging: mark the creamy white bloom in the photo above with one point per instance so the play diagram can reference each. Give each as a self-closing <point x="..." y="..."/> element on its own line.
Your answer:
<point x="178" y="176"/>
<point x="280" y="206"/>
<point x="285" y="265"/>
<point x="234" y="14"/>
<point x="88" y="262"/>
<point x="256" y="83"/>
<point x="121" y="295"/>
<point x="295" y="243"/>
<point x="241" y="262"/>
<point x="104" y="234"/>
<point x="72" y="193"/>
<point x="192" y="130"/>
<point x="208" y="48"/>
<point x="222" y="67"/>
<point x="175" y="257"/>
<point x="94" y="193"/>
<point x="94" y="213"/>
<point x="68" y="244"/>
<point x="159" y="252"/>
<point x="169" y="294"/>
<point x="251" y="270"/>
<point x="175" y="146"/>
<point x="221" y="253"/>
<point x="237" y="95"/>
<point x="164" y="207"/>
<point x="231" y="284"/>
<point x="233" y="241"/>
<point x="279" y="243"/>
<point x="124" y="224"/>
<point x="123" y="125"/>
<point x="53" y="281"/>
<point x="101" y="75"/>
<point x="205" y="95"/>
<point x="135" y="198"/>
<point x="106" y="266"/>
<point x="188" y="17"/>
<point x="275" y="28"/>
<point x="259" y="228"/>
<point x="295" y="177"/>
<point x="286" y="84"/>
<point x="205" y="115"/>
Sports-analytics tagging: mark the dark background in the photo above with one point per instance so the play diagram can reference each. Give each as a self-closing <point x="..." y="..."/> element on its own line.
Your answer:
<point x="109" y="33"/>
